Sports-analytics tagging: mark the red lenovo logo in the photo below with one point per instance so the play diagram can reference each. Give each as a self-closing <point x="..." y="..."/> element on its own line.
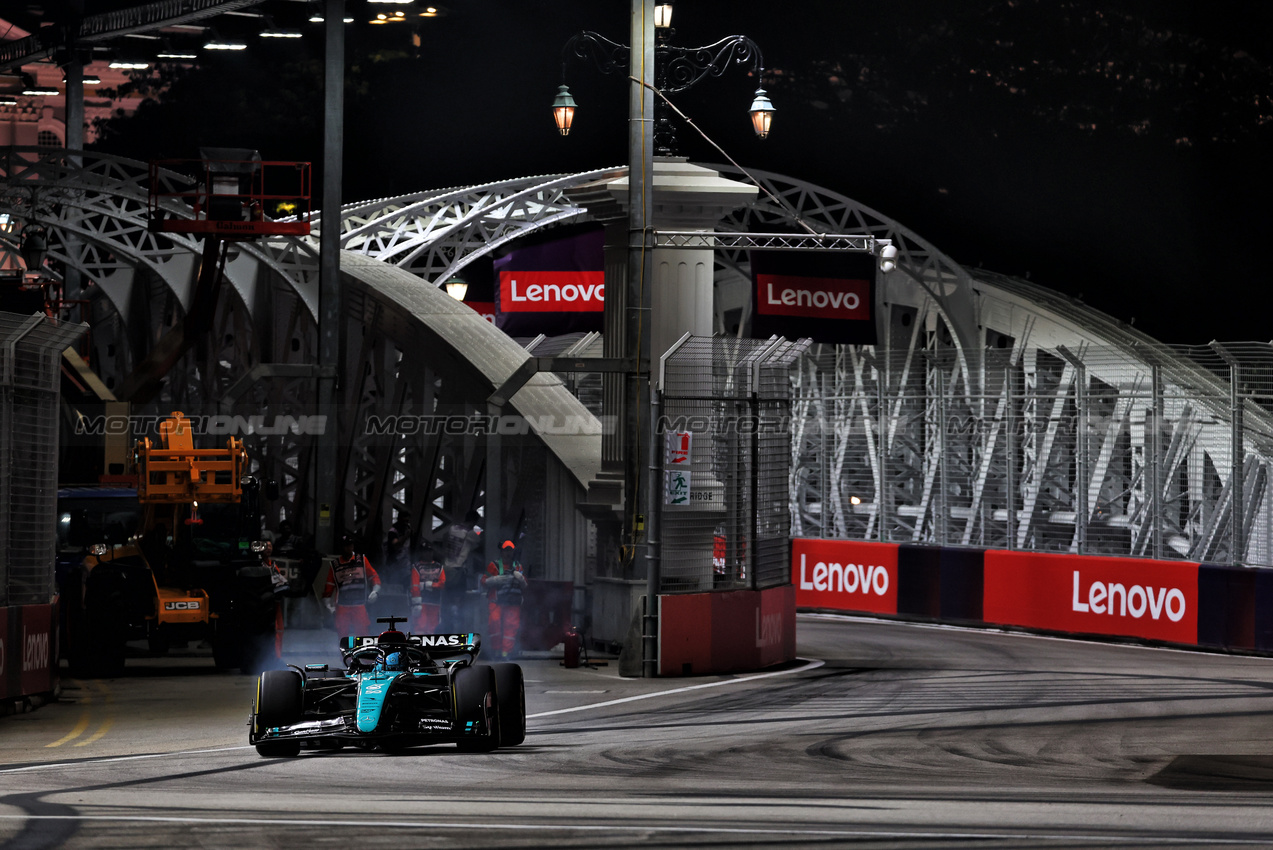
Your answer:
<point x="813" y="297"/>
<point x="845" y="575"/>
<point x="1092" y="594"/>
<point x="552" y="292"/>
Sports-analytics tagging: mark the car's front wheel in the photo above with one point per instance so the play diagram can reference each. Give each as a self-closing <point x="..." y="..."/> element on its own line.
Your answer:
<point x="476" y="709"/>
<point x="279" y="749"/>
<point x="510" y="694"/>
<point x="278" y="703"/>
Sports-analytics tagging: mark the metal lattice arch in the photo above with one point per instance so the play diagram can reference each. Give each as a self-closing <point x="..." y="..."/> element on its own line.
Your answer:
<point x="1146" y="465"/>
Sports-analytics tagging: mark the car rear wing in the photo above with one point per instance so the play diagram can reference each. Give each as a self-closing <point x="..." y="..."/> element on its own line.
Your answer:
<point x="435" y="646"/>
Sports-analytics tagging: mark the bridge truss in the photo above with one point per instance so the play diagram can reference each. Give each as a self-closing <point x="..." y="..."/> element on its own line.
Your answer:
<point x="992" y="413"/>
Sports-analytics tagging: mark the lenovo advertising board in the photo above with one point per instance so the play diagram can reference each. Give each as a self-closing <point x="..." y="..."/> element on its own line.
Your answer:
<point x="552" y="284"/>
<point x="825" y="296"/>
<point x="845" y="575"/>
<point x="1088" y="594"/>
<point x="38" y="648"/>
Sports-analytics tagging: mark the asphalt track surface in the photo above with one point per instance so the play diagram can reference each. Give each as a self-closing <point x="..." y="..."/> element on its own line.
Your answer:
<point x="884" y="735"/>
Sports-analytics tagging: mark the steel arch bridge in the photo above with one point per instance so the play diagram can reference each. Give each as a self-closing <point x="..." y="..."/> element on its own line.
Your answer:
<point x="953" y="429"/>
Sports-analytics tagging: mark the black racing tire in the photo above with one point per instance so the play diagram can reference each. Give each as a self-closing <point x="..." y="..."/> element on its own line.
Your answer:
<point x="473" y="692"/>
<point x="278" y="699"/>
<point x="510" y="696"/>
<point x="279" y="749"/>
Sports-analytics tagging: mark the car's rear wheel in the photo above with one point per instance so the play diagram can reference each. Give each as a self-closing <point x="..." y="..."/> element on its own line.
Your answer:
<point x="510" y="696"/>
<point x="476" y="709"/>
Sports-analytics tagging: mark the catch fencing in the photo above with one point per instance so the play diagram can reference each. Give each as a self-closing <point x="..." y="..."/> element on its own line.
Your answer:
<point x="30" y="374"/>
<point x="723" y="432"/>
<point x="1145" y="451"/>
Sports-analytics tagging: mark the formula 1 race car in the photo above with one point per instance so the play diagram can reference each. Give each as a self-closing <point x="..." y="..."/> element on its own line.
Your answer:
<point x="398" y="690"/>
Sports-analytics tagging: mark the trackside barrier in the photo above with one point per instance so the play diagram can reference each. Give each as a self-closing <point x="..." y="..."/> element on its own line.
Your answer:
<point x="750" y="630"/>
<point x="28" y="649"/>
<point x="1178" y="602"/>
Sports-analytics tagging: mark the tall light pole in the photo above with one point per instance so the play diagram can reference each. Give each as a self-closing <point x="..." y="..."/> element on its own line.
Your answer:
<point x="654" y="68"/>
<point x="326" y="485"/>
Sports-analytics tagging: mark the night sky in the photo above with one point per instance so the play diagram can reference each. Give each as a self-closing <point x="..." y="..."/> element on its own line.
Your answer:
<point x="1116" y="151"/>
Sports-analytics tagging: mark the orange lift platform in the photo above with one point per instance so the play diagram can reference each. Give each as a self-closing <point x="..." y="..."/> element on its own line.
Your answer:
<point x="235" y="196"/>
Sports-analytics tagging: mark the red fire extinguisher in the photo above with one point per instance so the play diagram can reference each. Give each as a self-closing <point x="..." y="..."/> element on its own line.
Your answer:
<point x="571" y="645"/>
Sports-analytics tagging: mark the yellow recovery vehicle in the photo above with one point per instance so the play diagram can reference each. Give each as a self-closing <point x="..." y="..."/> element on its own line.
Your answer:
<point x="191" y="571"/>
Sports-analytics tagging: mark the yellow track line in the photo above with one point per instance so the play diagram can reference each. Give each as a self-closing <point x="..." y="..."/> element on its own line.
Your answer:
<point x="102" y="730"/>
<point x="74" y="733"/>
<point x="86" y="719"/>
<point x="82" y="724"/>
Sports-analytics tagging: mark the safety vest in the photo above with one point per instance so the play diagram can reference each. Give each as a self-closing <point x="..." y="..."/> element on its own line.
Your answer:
<point x="352" y="578"/>
<point x="508" y="593"/>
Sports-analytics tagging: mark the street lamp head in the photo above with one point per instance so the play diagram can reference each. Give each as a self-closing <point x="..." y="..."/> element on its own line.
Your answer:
<point x="663" y="16"/>
<point x="34" y="246"/>
<point x="762" y="114"/>
<point x="457" y="287"/>
<point x="563" y="109"/>
<point x="888" y="258"/>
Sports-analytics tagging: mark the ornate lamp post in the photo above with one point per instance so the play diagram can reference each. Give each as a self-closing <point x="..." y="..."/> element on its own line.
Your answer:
<point x="645" y="310"/>
<point x="676" y="69"/>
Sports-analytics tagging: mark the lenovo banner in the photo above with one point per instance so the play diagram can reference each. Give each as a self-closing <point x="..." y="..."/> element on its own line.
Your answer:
<point x="1155" y="600"/>
<point x="826" y="296"/>
<point x="552" y="286"/>
<point x="28" y="650"/>
<point x="845" y="575"/>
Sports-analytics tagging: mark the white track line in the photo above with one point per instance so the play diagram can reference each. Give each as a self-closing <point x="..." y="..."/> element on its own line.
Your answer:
<point x="96" y="762"/>
<point x="1156" y="841"/>
<point x="809" y="665"/>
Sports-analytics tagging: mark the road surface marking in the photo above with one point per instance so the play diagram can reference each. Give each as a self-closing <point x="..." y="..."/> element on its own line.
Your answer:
<point x="646" y="827"/>
<point x="811" y="665"/>
<point x="101" y="730"/>
<point x="74" y="733"/>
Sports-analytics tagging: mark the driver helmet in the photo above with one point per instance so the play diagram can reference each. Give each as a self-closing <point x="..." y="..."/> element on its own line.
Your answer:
<point x="396" y="661"/>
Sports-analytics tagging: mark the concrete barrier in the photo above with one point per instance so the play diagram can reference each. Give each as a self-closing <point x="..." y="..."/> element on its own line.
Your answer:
<point x="747" y="630"/>
<point x="1177" y="602"/>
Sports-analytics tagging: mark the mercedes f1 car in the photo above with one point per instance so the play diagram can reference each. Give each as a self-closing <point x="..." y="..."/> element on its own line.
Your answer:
<point x="398" y="690"/>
